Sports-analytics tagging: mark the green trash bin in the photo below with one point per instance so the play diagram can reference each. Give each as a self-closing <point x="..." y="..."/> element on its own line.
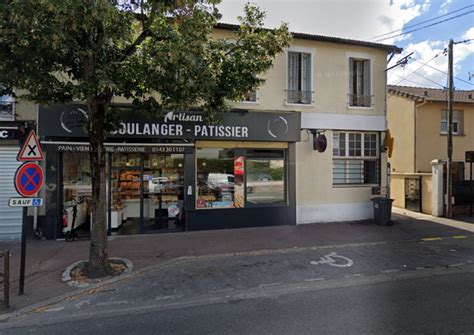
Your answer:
<point x="382" y="211"/>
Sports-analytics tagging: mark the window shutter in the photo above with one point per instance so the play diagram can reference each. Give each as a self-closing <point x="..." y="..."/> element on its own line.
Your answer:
<point x="307" y="72"/>
<point x="367" y="91"/>
<point x="292" y="71"/>
<point x="351" y="78"/>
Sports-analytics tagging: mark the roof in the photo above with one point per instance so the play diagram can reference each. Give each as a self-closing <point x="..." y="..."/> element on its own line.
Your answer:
<point x="329" y="39"/>
<point x="425" y="94"/>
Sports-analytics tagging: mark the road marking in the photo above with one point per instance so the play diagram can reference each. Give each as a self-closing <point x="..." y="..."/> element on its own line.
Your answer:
<point x="54" y="309"/>
<point x="457" y="264"/>
<point x="270" y="284"/>
<point x="331" y="260"/>
<point x="109" y="303"/>
<point x="167" y="297"/>
<point x="314" y="279"/>
<point x="459" y="236"/>
<point x="230" y="289"/>
<point x="390" y="271"/>
<point x="426" y="239"/>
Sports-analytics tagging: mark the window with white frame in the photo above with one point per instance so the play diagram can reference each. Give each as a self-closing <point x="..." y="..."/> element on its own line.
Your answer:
<point x="299" y="78"/>
<point x="359" y="83"/>
<point x="355" y="158"/>
<point x="457" y="122"/>
<point x="7" y="108"/>
<point x="250" y="96"/>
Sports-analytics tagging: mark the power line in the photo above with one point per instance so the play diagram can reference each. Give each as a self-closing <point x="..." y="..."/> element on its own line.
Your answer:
<point x="410" y="81"/>
<point x="422" y="22"/>
<point x="428" y="79"/>
<point x="465" y="41"/>
<point x="427" y="26"/>
<point x="421" y="66"/>
<point x="432" y="67"/>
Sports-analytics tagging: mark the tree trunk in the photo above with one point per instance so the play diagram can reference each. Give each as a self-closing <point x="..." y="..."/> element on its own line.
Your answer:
<point x="98" y="265"/>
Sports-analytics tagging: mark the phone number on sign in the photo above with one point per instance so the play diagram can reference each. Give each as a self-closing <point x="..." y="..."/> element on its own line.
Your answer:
<point x="169" y="150"/>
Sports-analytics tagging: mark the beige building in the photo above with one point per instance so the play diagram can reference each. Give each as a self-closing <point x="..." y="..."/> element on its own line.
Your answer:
<point x="333" y="89"/>
<point x="339" y="87"/>
<point x="417" y="122"/>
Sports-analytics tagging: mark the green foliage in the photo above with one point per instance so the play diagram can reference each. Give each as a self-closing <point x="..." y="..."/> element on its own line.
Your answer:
<point x="158" y="54"/>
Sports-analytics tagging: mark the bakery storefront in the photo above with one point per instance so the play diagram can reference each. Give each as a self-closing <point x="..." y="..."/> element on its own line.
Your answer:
<point x="173" y="171"/>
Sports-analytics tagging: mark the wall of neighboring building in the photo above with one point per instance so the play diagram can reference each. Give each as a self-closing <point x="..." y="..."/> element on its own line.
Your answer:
<point x="433" y="145"/>
<point x="401" y="123"/>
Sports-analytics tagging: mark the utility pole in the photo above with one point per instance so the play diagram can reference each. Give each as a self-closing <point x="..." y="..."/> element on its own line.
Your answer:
<point x="449" y="174"/>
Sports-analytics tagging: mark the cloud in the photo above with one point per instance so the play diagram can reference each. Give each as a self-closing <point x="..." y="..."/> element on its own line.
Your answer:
<point x="434" y="74"/>
<point x="356" y="19"/>
<point x="443" y="9"/>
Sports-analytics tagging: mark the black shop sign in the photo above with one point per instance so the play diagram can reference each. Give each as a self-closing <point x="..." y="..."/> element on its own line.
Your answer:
<point x="70" y="120"/>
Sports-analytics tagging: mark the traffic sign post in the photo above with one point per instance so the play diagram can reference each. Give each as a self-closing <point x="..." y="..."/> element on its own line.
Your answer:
<point x="28" y="181"/>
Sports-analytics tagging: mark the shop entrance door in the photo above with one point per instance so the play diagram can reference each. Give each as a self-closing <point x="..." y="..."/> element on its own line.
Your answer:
<point x="163" y="193"/>
<point x="147" y="193"/>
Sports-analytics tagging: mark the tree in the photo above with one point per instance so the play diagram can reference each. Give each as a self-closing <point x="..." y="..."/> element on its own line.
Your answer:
<point x="159" y="54"/>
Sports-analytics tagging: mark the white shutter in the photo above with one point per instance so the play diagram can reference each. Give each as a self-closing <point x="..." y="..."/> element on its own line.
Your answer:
<point x="351" y="81"/>
<point x="10" y="217"/>
<point x="367" y="88"/>
<point x="292" y="71"/>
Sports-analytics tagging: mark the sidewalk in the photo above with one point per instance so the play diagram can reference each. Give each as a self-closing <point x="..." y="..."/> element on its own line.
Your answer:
<point x="46" y="260"/>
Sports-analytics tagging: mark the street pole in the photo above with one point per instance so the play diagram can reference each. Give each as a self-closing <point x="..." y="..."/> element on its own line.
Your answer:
<point x="21" y="289"/>
<point x="449" y="176"/>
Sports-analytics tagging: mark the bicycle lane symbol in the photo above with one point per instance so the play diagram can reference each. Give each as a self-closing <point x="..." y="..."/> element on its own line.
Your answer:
<point x="332" y="259"/>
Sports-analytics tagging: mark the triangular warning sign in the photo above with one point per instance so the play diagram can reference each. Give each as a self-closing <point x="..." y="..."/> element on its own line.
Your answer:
<point x="31" y="150"/>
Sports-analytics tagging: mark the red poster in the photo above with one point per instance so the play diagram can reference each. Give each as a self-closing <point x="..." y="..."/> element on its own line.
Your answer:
<point x="239" y="166"/>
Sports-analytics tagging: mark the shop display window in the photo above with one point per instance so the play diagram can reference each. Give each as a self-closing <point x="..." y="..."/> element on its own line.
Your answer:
<point x="215" y="178"/>
<point x="265" y="177"/>
<point x="226" y="180"/>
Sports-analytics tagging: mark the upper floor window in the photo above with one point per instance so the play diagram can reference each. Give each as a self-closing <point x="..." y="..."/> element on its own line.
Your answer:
<point x="250" y="96"/>
<point x="355" y="158"/>
<point x="7" y="108"/>
<point x="359" y="83"/>
<point x="457" y="122"/>
<point x="299" y="78"/>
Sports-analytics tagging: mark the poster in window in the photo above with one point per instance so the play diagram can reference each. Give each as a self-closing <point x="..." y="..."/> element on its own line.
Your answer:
<point x="239" y="172"/>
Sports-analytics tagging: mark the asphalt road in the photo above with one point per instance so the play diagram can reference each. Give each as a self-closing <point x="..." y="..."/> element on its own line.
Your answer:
<point x="440" y="305"/>
<point x="413" y="287"/>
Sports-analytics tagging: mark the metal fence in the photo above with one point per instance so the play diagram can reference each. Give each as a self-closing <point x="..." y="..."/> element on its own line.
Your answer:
<point x="5" y="278"/>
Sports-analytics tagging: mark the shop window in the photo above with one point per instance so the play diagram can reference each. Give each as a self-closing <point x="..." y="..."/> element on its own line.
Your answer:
<point x="265" y="177"/>
<point x="215" y="178"/>
<point x="355" y="158"/>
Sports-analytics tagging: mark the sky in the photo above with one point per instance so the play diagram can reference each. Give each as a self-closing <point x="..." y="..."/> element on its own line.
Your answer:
<point x="366" y="19"/>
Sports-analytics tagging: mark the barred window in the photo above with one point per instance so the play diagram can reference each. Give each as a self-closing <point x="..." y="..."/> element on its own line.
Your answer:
<point x="355" y="160"/>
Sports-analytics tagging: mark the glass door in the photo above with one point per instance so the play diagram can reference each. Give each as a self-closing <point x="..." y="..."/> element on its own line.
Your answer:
<point x="163" y="192"/>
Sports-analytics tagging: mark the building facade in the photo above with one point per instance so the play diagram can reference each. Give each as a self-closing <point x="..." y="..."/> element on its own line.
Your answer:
<point x="306" y="147"/>
<point x="417" y="119"/>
